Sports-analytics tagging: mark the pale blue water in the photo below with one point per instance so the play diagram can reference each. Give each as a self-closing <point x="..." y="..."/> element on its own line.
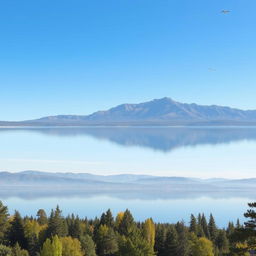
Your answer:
<point x="224" y="210"/>
<point x="204" y="152"/>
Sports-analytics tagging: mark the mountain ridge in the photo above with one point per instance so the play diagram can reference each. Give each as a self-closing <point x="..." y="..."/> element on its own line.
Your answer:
<point x="66" y="177"/>
<point x="164" y="111"/>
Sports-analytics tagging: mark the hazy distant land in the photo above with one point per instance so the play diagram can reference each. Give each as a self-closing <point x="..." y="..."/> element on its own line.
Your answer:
<point x="33" y="184"/>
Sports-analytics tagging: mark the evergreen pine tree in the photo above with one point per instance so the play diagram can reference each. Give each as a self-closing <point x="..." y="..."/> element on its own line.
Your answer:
<point x="3" y="221"/>
<point x="134" y="245"/>
<point x="41" y="217"/>
<point x="127" y="225"/>
<point x="171" y="247"/>
<point x="106" y="241"/>
<point x="88" y="245"/>
<point x="212" y="229"/>
<point x="160" y="240"/>
<point x="193" y="225"/>
<point x="230" y="229"/>
<point x="57" y="224"/>
<point x="74" y="227"/>
<point x="183" y="245"/>
<point x="251" y="215"/>
<point x="107" y="219"/>
<point x="222" y="242"/>
<point x="205" y="226"/>
<point x="238" y="225"/>
<point x="16" y="231"/>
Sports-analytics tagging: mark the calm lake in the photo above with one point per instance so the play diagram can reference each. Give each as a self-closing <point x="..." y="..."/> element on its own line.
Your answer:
<point x="199" y="152"/>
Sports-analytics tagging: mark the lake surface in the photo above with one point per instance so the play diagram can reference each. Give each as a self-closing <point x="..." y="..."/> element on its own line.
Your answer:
<point x="200" y="152"/>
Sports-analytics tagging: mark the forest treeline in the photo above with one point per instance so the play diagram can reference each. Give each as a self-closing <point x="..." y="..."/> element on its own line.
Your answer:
<point x="56" y="235"/>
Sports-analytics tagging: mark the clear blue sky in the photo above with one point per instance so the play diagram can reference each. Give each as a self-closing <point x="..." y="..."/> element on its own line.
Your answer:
<point x="76" y="57"/>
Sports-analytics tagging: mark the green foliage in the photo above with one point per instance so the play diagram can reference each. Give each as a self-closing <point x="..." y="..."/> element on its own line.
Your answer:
<point x="17" y="251"/>
<point x="17" y="232"/>
<point x="41" y="217"/>
<point x="74" y="227"/>
<point x="32" y="234"/>
<point x="202" y="247"/>
<point x="251" y="216"/>
<point x="244" y="238"/>
<point x="183" y="245"/>
<point x="136" y="246"/>
<point x="212" y="228"/>
<point x="106" y="241"/>
<point x="127" y="226"/>
<point x="171" y="243"/>
<point x="5" y="251"/>
<point x="193" y="225"/>
<point x="149" y="232"/>
<point x="160" y="239"/>
<point x="71" y="246"/>
<point x="88" y="245"/>
<point x="107" y="219"/>
<point x="72" y="236"/>
<point x="3" y="221"/>
<point x="222" y="242"/>
<point x="204" y="226"/>
<point x="52" y="248"/>
<point x="57" y="224"/>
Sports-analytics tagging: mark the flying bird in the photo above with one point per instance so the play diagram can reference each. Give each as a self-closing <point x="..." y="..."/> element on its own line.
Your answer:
<point x="225" y="11"/>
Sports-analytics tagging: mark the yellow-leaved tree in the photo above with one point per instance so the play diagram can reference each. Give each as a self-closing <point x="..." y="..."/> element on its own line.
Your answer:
<point x="71" y="246"/>
<point x="149" y="232"/>
<point x="202" y="247"/>
<point x="52" y="247"/>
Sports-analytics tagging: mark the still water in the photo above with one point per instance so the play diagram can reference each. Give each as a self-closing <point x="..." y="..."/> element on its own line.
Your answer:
<point x="200" y="152"/>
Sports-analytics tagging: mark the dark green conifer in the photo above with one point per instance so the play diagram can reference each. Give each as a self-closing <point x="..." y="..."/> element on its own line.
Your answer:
<point x="3" y="221"/>
<point x="183" y="245"/>
<point x="57" y="224"/>
<point x="16" y="231"/>
<point x="88" y="245"/>
<point x="127" y="225"/>
<point x="41" y="217"/>
<point x="171" y="247"/>
<point x="212" y="229"/>
<point x="107" y="219"/>
<point x="222" y="243"/>
<point x="193" y="227"/>
<point x="160" y="239"/>
<point x="205" y="227"/>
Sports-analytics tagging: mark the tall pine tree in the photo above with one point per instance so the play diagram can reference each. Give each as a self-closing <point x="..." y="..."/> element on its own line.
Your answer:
<point x="17" y="232"/>
<point x="171" y="246"/>
<point x="3" y="221"/>
<point x="57" y="224"/>
<point x="212" y="229"/>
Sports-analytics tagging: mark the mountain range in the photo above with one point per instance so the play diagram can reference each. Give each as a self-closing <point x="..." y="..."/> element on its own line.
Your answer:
<point x="163" y="111"/>
<point x="35" y="178"/>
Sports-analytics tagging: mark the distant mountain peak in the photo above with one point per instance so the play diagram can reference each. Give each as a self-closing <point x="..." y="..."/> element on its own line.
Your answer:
<point x="158" y="111"/>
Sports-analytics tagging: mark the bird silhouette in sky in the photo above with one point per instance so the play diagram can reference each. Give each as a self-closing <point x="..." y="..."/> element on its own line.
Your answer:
<point x="225" y="11"/>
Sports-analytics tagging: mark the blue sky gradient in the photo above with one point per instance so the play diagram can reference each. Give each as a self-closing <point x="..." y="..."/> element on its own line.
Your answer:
<point x="76" y="57"/>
